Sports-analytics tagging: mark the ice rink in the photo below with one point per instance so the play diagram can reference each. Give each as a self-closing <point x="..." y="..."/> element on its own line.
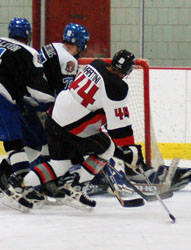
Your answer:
<point x="109" y="226"/>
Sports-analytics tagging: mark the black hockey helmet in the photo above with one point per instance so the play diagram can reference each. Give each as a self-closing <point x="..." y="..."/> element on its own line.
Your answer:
<point x="123" y="61"/>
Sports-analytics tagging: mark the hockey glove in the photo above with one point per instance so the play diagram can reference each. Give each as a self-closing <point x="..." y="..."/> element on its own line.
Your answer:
<point x="133" y="156"/>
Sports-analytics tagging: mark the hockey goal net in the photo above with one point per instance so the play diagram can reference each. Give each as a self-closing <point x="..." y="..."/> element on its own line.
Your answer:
<point x="139" y="109"/>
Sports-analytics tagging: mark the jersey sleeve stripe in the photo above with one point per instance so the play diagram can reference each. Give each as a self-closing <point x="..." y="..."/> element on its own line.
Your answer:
<point x="124" y="141"/>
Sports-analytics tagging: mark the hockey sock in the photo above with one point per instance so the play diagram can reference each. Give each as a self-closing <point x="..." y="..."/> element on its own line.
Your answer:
<point x="19" y="162"/>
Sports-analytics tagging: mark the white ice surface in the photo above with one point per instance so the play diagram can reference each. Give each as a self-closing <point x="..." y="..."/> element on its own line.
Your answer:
<point x="109" y="226"/>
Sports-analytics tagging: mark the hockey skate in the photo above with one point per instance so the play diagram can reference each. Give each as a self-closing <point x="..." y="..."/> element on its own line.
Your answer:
<point x="5" y="172"/>
<point x="21" y="198"/>
<point x="70" y="192"/>
<point x="97" y="186"/>
<point x="54" y="195"/>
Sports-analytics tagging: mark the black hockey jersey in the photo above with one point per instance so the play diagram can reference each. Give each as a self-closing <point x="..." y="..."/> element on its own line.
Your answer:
<point x="21" y="72"/>
<point x="60" y="66"/>
<point x="97" y="97"/>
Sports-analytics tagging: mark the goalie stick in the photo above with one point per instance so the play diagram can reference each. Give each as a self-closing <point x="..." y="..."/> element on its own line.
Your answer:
<point x="148" y="198"/>
<point x="171" y="171"/>
<point x="124" y="203"/>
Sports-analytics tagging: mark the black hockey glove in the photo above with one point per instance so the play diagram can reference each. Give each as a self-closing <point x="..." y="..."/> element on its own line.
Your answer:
<point x="133" y="157"/>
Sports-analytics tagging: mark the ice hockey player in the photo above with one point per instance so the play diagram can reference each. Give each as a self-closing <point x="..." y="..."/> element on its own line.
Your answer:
<point x="98" y="96"/>
<point x="60" y="59"/>
<point x="60" y="67"/>
<point x="21" y="81"/>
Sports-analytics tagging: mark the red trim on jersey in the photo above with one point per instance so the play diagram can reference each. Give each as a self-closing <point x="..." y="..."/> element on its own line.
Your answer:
<point x="83" y="126"/>
<point x="124" y="141"/>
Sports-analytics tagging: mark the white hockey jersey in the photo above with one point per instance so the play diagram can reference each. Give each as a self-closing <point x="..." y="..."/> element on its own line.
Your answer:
<point x="60" y="66"/>
<point x="97" y="97"/>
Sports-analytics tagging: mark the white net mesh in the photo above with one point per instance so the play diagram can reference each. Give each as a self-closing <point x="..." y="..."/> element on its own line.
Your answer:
<point x="139" y="111"/>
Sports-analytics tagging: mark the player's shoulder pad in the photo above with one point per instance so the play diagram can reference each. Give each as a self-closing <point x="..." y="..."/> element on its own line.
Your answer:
<point x="48" y="50"/>
<point x="116" y="88"/>
<point x="68" y="62"/>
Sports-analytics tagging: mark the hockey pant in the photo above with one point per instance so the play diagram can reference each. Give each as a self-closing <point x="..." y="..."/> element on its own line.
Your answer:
<point x="67" y="149"/>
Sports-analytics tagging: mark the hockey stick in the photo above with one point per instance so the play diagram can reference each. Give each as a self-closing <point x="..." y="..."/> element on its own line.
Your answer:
<point x="148" y="198"/>
<point x="165" y="185"/>
<point x="157" y="196"/>
<point x="124" y="203"/>
<point x="171" y="171"/>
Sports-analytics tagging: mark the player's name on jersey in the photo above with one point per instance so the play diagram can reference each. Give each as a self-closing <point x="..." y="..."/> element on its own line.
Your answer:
<point x="91" y="74"/>
<point x="7" y="45"/>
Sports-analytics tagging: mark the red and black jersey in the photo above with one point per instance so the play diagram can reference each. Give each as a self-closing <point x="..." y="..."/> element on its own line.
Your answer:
<point x="97" y="97"/>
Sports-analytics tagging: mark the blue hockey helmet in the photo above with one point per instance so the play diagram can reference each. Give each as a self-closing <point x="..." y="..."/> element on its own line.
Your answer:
<point x="76" y="34"/>
<point x="20" y="27"/>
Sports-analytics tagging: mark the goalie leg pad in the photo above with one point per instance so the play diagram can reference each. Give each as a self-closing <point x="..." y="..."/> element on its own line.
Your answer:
<point x="181" y="178"/>
<point x="155" y="177"/>
<point x="115" y="179"/>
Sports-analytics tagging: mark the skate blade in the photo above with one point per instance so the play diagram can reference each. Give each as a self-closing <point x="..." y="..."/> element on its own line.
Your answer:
<point x="54" y="201"/>
<point x="70" y="202"/>
<point x="39" y="204"/>
<point x="11" y="203"/>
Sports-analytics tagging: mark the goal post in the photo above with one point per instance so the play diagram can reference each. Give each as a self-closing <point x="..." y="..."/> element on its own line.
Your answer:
<point x="139" y="109"/>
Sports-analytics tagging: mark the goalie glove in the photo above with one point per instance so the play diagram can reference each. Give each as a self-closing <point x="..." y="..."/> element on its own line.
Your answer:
<point x="133" y="157"/>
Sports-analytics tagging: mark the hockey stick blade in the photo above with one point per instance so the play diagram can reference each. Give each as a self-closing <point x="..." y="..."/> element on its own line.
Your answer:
<point x="134" y="203"/>
<point x="128" y="203"/>
<point x="148" y="198"/>
<point x="124" y="203"/>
